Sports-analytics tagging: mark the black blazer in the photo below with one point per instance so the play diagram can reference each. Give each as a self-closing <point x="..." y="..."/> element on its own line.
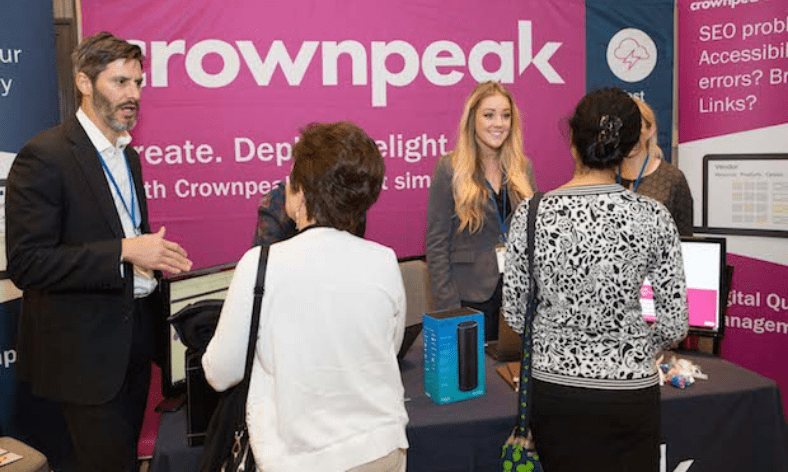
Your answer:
<point x="63" y="244"/>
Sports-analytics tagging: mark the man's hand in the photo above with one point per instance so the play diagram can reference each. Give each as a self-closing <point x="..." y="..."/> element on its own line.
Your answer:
<point x="153" y="252"/>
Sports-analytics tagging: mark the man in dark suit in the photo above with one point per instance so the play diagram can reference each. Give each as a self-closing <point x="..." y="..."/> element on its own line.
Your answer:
<point x="79" y="246"/>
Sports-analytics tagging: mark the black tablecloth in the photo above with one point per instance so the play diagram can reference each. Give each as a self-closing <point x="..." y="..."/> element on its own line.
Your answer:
<point x="731" y="422"/>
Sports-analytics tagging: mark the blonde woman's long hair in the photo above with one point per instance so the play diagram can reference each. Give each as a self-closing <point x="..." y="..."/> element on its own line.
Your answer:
<point x="469" y="183"/>
<point x="649" y="120"/>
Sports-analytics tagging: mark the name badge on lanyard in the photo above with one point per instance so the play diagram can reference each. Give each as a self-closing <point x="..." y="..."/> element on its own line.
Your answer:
<point x="500" y="248"/>
<point x="500" y="256"/>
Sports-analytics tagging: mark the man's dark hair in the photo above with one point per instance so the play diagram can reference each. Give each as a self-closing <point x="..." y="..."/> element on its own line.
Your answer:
<point x="96" y="52"/>
<point x="341" y="172"/>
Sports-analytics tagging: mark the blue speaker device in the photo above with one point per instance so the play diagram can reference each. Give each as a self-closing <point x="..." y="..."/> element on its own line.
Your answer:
<point x="454" y="355"/>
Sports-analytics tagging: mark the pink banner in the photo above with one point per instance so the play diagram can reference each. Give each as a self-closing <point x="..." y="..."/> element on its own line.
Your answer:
<point x="733" y="78"/>
<point x="733" y="66"/>
<point x="756" y="323"/>
<point x="228" y="88"/>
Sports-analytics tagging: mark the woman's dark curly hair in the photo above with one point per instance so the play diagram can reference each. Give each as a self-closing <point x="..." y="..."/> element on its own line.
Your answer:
<point x="341" y="172"/>
<point x="605" y="128"/>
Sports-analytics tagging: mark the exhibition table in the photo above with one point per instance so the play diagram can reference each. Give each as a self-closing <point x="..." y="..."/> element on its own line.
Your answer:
<point x="732" y="421"/>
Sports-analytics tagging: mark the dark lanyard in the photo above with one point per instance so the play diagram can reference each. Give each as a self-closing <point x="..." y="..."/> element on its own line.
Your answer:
<point x="640" y="175"/>
<point x="133" y="212"/>
<point x="501" y="220"/>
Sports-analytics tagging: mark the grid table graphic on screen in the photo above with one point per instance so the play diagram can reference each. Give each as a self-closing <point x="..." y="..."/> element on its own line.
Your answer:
<point x="745" y="194"/>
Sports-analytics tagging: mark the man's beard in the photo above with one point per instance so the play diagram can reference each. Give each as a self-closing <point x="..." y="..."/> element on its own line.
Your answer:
<point x="107" y="111"/>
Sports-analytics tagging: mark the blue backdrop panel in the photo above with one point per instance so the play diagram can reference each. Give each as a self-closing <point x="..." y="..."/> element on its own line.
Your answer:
<point x="9" y="313"/>
<point x="630" y="45"/>
<point x="28" y="105"/>
<point x="28" y="76"/>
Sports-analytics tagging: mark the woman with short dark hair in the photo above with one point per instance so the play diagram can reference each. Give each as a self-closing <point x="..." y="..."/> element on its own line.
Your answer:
<point x="334" y="166"/>
<point x="595" y="388"/>
<point x="325" y="392"/>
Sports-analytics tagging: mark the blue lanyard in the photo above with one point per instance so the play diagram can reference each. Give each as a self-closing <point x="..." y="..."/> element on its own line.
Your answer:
<point x="133" y="212"/>
<point x="497" y="211"/>
<point x="640" y="175"/>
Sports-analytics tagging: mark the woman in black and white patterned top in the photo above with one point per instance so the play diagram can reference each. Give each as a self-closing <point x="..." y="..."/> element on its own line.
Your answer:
<point x="595" y="387"/>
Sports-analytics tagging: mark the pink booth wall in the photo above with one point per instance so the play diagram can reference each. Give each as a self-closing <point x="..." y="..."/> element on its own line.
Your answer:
<point x="228" y="88"/>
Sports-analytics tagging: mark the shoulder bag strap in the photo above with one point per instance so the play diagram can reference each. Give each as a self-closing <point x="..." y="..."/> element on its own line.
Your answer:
<point x="259" y="288"/>
<point x="524" y="397"/>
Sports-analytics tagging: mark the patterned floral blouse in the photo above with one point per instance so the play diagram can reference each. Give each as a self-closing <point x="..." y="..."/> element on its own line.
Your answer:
<point x="594" y="247"/>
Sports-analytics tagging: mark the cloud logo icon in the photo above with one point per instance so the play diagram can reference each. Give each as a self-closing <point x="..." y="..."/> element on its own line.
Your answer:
<point x="629" y="51"/>
<point x="631" y="55"/>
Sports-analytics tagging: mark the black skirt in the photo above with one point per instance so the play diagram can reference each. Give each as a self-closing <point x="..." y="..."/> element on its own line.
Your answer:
<point x="587" y="430"/>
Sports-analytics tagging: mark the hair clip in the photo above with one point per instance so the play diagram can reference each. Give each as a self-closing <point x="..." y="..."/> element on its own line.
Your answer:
<point x="609" y="127"/>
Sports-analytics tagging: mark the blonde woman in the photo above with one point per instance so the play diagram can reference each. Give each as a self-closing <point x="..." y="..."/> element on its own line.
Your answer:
<point x="474" y="190"/>
<point x="647" y="173"/>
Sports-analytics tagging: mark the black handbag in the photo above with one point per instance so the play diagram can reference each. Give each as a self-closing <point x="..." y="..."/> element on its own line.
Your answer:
<point x="227" y="447"/>
<point x="196" y="323"/>
<point x="519" y="452"/>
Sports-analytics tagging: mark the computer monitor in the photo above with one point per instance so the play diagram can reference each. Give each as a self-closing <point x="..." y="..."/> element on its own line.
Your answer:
<point x="705" y="268"/>
<point x="180" y="291"/>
